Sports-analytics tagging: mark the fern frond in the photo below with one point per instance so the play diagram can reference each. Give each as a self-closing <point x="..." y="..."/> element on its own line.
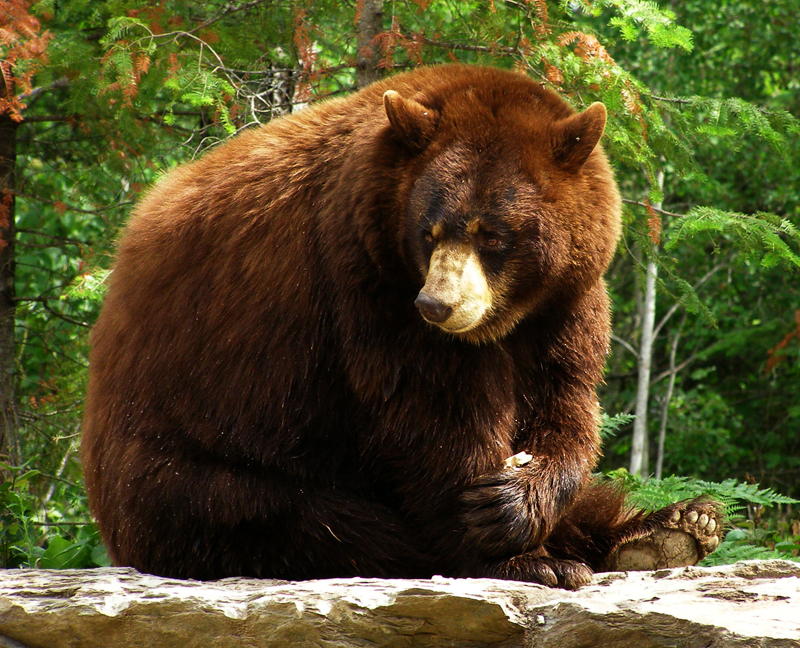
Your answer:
<point x="730" y="552"/>
<point x="734" y="496"/>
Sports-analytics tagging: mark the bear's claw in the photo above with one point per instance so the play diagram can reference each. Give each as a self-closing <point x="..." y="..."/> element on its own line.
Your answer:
<point x="552" y="572"/>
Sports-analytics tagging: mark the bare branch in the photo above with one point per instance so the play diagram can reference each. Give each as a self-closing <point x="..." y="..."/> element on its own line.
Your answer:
<point x="35" y="93"/>
<point x="676" y="369"/>
<point x="658" y="210"/>
<point x="677" y="304"/>
<point x="470" y="48"/>
<point x="61" y="239"/>
<point x="44" y="302"/>
<point x="40" y="416"/>
<point x="229" y="10"/>
<point x="676" y="100"/>
<point x="625" y="344"/>
<point x="60" y="524"/>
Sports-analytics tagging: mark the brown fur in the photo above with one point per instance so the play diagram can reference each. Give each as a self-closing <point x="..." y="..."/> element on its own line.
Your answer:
<point x="265" y="400"/>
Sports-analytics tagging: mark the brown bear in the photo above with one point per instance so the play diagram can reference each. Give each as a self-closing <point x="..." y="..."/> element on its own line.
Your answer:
<point x="364" y="340"/>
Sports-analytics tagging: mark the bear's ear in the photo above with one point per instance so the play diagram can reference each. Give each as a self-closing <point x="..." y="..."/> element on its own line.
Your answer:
<point x="412" y="122"/>
<point x="575" y="138"/>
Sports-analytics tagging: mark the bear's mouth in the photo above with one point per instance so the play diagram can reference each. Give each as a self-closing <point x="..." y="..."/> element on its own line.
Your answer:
<point x="459" y="322"/>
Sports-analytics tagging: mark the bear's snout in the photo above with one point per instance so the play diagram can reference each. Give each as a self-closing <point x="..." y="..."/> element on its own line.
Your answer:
<point x="432" y="309"/>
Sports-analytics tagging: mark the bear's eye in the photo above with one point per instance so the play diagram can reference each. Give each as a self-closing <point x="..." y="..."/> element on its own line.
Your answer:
<point x="428" y="236"/>
<point x="489" y="241"/>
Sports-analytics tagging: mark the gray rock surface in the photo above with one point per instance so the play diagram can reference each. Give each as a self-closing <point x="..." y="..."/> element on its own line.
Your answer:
<point x="754" y="603"/>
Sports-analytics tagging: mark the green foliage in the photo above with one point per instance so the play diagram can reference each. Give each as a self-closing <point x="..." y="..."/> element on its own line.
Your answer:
<point x="91" y="286"/>
<point x="703" y="426"/>
<point x="746" y="539"/>
<point x="760" y="235"/>
<point x="652" y="494"/>
<point x="659" y="24"/>
<point x="16" y="530"/>
<point x="746" y="544"/>
<point x="132" y="89"/>
<point x="610" y="425"/>
<point x="28" y="541"/>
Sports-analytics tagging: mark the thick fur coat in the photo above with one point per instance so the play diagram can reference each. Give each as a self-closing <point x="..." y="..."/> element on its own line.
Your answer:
<point x="323" y="339"/>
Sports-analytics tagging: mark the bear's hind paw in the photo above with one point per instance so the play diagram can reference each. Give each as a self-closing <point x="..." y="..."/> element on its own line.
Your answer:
<point x="680" y="535"/>
<point x="701" y="519"/>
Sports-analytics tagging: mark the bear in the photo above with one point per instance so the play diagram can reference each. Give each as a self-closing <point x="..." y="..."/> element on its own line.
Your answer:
<point x="365" y="340"/>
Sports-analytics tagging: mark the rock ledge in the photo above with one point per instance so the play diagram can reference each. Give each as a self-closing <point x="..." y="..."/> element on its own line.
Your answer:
<point x="754" y="603"/>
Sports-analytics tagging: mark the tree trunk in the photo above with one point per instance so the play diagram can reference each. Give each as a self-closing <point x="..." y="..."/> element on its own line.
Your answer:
<point x="9" y="443"/>
<point x="639" y="458"/>
<point x="662" y="432"/>
<point x="639" y="450"/>
<point x="370" y="24"/>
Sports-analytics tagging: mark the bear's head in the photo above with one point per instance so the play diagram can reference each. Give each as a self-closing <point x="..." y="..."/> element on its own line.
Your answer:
<point x="510" y="201"/>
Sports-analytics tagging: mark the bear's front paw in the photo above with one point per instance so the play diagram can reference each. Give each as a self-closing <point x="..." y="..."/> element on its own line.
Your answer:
<point x="536" y="567"/>
<point x="681" y="534"/>
<point x="499" y="514"/>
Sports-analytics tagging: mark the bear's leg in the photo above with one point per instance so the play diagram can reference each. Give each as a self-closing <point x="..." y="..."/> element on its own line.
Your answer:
<point x="602" y="532"/>
<point x="204" y="521"/>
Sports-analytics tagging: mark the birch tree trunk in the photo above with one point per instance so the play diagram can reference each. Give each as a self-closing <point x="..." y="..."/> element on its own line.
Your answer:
<point x="9" y="443"/>
<point x="370" y="24"/>
<point x="639" y="449"/>
<point x="662" y="432"/>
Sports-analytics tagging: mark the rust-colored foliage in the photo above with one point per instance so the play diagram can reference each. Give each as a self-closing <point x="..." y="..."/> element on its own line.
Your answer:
<point x="388" y="42"/>
<point x="22" y="49"/>
<point x="553" y="74"/>
<point x="588" y="46"/>
<point x="542" y="27"/>
<point x="208" y="36"/>
<point x="153" y="15"/>
<point x="174" y="63"/>
<point x="128" y="84"/>
<point x="653" y="223"/>
<point x="775" y="357"/>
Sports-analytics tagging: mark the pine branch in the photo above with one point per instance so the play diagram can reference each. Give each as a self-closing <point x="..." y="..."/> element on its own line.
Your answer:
<point x="62" y="205"/>
<point x="61" y="239"/>
<point x="44" y="302"/>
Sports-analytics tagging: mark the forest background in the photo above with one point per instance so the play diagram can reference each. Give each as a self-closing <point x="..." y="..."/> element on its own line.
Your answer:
<point x="99" y="99"/>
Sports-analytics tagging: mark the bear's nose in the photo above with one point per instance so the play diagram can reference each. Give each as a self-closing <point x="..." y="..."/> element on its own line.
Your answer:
<point x="432" y="309"/>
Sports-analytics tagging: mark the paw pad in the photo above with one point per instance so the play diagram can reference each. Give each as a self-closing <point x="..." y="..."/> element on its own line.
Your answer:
<point x="700" y="520"/>
<point x="679" y="535"/>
